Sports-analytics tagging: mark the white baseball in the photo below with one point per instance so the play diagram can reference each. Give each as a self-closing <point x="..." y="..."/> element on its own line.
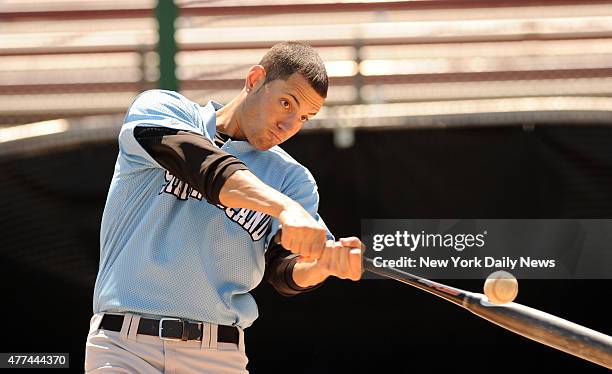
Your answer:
<point x="501" y="287"/>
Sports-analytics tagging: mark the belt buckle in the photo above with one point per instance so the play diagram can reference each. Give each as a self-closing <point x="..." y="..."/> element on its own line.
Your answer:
<point x="161" y="328"/>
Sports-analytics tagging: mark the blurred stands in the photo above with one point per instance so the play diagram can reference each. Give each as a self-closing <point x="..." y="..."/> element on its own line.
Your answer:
<point x="408" y="63"/>
<point x="76" y="65"/>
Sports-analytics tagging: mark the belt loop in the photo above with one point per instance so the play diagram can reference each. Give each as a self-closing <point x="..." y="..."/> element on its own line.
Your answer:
<point x="125" y="328"/>
<point x="94" y="323"/>
<point x="240" y="339"/>
<point x="134" y="327"/>
<point x="213" y="335"/>
<point x="205" y="335"/>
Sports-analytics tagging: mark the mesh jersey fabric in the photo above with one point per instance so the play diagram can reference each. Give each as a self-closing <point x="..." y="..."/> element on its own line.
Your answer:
<point x="166" y="251"/>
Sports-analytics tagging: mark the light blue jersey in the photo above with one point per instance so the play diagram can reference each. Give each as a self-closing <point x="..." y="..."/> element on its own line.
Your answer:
<point x="164" y="250"/>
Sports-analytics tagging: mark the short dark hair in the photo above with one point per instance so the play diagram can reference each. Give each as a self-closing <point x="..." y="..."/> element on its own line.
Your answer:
<point x="286" y="58"/>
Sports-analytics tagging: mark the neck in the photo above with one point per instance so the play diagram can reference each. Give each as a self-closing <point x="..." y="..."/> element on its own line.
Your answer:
<point x="228" y="117"/>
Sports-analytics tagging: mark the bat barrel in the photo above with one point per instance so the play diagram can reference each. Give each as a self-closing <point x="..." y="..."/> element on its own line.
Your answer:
<point x="531" y="323"/>
<point x="545" y="328"/>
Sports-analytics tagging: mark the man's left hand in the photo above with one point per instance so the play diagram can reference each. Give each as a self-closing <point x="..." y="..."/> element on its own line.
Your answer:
<point x="342" y="259"/>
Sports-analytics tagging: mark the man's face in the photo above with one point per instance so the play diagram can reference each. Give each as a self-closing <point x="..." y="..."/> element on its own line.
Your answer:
<point x="276" y="111"/>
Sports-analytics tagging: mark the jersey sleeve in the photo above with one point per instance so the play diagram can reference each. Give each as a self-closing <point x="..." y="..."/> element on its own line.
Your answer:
<point x="156" y="108"/>
<point x="163" y="129"/>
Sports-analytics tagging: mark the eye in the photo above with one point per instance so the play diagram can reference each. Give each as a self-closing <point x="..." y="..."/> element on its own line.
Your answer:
<point x="285" y="103"/>
<point x="304" y="118"/>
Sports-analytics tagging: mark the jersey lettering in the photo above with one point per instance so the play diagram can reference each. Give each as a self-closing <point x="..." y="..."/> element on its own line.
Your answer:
<point x="178" y="188"/>
<point x="255" y="223"/>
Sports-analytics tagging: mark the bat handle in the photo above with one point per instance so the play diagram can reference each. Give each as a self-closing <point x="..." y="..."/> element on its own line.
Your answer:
<point x="454" y="295"/>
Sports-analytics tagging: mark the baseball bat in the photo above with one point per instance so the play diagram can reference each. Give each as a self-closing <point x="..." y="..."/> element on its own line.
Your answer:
<point x="531" y="323"/>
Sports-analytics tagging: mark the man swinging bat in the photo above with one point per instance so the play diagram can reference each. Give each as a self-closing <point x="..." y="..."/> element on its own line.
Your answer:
<point x="197" y="194"/>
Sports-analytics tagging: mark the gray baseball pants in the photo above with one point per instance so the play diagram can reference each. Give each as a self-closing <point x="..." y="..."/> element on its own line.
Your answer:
<point x="127" y="352"/>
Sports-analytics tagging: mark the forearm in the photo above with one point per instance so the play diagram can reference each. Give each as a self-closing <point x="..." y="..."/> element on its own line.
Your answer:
<point x="280" y="264"/>
<point x="307" y="274"/>
<point x="244" y="190"/>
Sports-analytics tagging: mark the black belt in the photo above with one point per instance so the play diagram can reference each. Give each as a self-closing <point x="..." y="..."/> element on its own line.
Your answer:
<point x="171" y="328"/>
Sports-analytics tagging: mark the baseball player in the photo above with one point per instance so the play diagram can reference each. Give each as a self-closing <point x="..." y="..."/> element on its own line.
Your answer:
<point x="197" y="196"/>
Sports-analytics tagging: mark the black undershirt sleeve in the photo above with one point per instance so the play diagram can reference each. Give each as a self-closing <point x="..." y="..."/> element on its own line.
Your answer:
<point x="190" y="157"/>
<point x="279" y="271"/>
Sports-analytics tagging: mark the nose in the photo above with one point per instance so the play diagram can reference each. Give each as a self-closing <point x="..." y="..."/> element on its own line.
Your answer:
<point x="289" y="123"/>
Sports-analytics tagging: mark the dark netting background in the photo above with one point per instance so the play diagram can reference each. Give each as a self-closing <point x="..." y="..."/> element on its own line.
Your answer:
<point x="52" y="205"/>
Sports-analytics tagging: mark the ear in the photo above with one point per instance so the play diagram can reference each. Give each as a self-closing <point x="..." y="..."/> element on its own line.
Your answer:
<point x="255" y="77"/>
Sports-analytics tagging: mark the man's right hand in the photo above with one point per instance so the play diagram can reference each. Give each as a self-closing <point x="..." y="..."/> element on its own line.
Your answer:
<point x="302" y="234"/>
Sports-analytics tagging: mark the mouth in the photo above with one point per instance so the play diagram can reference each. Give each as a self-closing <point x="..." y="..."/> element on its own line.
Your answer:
<point x="276" y="137"/>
